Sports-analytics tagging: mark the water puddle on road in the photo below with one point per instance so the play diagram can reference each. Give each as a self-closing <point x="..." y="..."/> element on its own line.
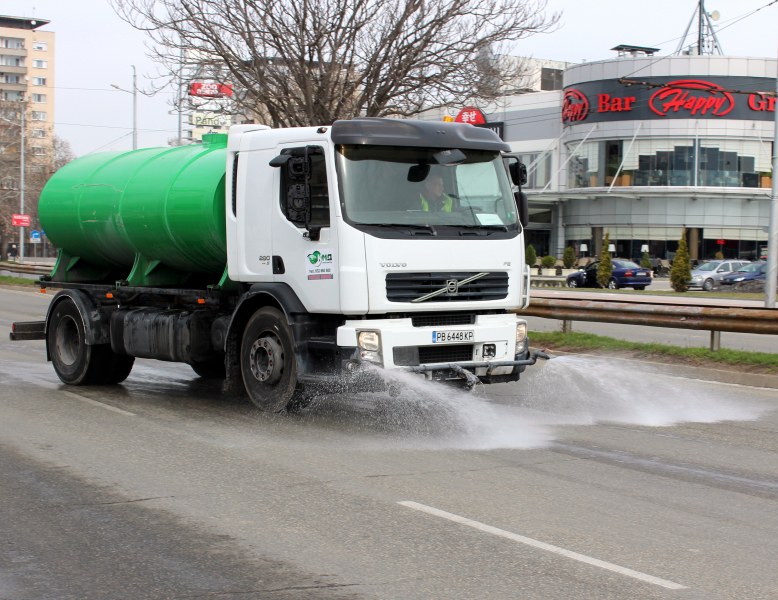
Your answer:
<point x="570" y="390"/>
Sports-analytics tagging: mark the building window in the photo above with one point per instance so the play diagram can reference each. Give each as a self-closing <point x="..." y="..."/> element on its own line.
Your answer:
<point x="13" y="96"/>
<point x="38" y="115"/>
<point x="550" y="79"/>
<point x="12" y="43"/>
<point x="11" y="61"/>
<point x="39" y="63"/>
<point x="11" y="79"/>
<point x="38" y="133"/>
<point x="43" y="46"/>
<point x="538" y="169"/>
<point x="38" y="151"/>
<point x="39" y="81"/>
<point x="39" y="98"/>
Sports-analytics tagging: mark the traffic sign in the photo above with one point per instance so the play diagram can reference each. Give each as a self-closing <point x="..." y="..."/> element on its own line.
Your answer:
<point x="20" y="220"/>
<point x="35" y="236"/>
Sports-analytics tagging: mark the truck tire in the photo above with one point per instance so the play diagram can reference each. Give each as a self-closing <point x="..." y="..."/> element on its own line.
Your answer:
<point x="118" y="368"/>
<point x="75" y="362"/>
<point x="213" y="369"/>
<point x="267" y="360"/>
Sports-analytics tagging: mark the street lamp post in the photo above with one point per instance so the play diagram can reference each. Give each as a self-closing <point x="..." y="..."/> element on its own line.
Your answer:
<point x="21" y="183"/>
<point x="134" y="93"/>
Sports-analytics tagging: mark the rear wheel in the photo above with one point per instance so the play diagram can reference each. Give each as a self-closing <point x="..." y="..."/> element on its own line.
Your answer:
<point x="640" y="287"/>
<point x="268" y="362"/>
<point x="213" y="369"/>
<point x="612" y="285"/>
<point x="75" y="361"/>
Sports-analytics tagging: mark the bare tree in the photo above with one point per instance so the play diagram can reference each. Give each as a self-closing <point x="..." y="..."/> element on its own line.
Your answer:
<point x="42" y="156"/>
<point x="306" y="62"/>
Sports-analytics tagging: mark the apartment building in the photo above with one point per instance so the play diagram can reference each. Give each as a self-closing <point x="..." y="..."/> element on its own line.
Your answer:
<point x="27" y="76"/>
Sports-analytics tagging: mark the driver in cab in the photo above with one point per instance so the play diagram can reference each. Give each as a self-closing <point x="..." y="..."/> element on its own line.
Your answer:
<point x="433" y="197"/>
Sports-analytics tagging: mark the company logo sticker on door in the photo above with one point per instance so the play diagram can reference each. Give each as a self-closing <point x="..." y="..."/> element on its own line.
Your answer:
<point x="319" y="265"/>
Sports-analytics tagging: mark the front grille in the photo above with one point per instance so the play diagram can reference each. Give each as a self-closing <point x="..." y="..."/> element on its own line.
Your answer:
<point x="439" y="320"/>
<point x="412" y="356"/>
<point x="406" y="287"/>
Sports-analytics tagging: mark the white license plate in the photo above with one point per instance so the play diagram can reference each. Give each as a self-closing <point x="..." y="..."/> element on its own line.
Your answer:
<point x="458" y="335"/>
<point x="641" y="273"/>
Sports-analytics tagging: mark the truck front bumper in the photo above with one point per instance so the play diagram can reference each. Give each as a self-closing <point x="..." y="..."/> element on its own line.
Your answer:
<point x="493" y="347"/>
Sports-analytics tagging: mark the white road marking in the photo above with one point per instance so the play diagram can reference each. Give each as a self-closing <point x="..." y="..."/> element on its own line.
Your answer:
<point x="100" y="404"/>
<point x="543" y="546"/>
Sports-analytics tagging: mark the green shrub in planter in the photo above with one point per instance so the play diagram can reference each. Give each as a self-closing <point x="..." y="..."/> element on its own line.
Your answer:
<point x="548" y="261"/>
<point x="645" y="261"/>
<point x="568" y="258"/>
<point x="530" y="256"/>
<point x="605" y="268"/>
<point x="681" y="271"/>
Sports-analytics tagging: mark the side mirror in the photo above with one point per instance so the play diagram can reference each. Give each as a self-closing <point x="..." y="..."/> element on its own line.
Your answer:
<point x="518" y="171"/>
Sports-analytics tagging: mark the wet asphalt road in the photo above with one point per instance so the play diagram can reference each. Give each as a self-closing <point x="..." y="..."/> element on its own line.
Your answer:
<point x="585" y="480"/>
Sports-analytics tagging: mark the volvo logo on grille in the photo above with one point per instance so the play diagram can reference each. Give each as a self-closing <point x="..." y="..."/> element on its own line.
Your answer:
<point x="451" y="288"/>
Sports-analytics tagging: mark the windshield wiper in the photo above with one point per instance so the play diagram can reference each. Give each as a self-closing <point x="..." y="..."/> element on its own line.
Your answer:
<point x="492" y="227"/>
<point x="409" y="226"/>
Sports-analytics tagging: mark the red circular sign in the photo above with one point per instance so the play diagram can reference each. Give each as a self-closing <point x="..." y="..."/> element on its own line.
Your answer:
<point x="470" y="115"/>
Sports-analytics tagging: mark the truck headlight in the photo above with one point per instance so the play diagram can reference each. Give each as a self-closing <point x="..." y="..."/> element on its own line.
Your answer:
<point x="521" y="336"/>
<point x="369" y="343"/>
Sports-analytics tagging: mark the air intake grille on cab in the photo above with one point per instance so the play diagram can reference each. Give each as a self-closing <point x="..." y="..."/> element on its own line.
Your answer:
<point x="406" y="287"/>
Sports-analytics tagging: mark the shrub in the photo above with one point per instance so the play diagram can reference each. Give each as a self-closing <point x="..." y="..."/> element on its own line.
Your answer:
<point x="530" y="256"/>
<point x="605" y="268"/>
<point x="645" y="261"/>
<point x="719" y="255"/>
<point x="568" y="258"/>
<point x="548" y="261"/>
<point x="681" y="271"/>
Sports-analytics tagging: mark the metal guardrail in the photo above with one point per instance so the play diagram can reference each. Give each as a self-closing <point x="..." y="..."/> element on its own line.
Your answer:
<point x="713" y="318"/>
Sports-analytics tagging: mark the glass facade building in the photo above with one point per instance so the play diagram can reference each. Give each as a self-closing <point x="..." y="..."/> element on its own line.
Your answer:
<point x="641" y="148"/>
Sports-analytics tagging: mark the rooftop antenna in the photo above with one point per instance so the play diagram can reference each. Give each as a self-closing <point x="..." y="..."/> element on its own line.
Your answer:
<point x="707" y="41"/>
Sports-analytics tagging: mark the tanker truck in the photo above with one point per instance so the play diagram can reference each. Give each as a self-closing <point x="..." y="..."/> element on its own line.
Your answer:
<point x="291" y="261"/>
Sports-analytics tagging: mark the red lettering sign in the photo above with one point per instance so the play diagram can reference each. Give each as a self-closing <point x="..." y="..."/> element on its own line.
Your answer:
<point x="470" y="115"/>
<point x="210" y="89"/>
<point x="679" y="96"/>
<point x="606" y="103"/>
<point x="575" y="107"/>
<point x="20" y="220"/>
<point x="761" y="102"/>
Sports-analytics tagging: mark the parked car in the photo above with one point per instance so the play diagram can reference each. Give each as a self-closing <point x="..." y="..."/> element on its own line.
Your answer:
<point x="750" y="272"/>
<point x="709" y="274"/>
<point x="625" y="273"/>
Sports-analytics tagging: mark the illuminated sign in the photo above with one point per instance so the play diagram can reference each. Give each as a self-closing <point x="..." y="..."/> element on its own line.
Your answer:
<point x="20" y="220"/>
<point x="662" y="98"/>
<point x="210" y="89"/>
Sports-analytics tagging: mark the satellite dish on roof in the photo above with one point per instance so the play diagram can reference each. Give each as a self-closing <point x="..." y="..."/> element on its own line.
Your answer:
<point x="715" y="15"/>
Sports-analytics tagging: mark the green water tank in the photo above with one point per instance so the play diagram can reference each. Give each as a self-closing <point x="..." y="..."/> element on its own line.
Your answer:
<point x="150" y="217"/>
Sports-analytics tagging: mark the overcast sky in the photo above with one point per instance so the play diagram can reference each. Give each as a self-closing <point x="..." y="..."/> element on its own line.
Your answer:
<point x="95" y="49"/>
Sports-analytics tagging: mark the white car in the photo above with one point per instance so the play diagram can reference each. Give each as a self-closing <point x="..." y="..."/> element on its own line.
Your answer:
<point x="708" y="275"/>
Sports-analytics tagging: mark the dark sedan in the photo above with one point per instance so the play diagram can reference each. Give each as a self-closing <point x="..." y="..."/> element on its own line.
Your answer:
<point x="625" y="273"/>
<point x="750" y="272"/>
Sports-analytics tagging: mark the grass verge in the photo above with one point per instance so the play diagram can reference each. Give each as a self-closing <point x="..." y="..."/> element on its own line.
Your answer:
<point x="8" y="280"/>
<point x="751" y="362"/>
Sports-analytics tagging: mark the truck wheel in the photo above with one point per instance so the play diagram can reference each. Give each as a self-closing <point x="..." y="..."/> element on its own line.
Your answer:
<point x="213" y="369"/>
<point x="267" y="360"/>
<point x="118" y="368"/>
<point x="74" y="361"/>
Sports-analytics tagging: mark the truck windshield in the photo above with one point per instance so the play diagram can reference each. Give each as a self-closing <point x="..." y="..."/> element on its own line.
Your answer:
<point x="389" y="185"/>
